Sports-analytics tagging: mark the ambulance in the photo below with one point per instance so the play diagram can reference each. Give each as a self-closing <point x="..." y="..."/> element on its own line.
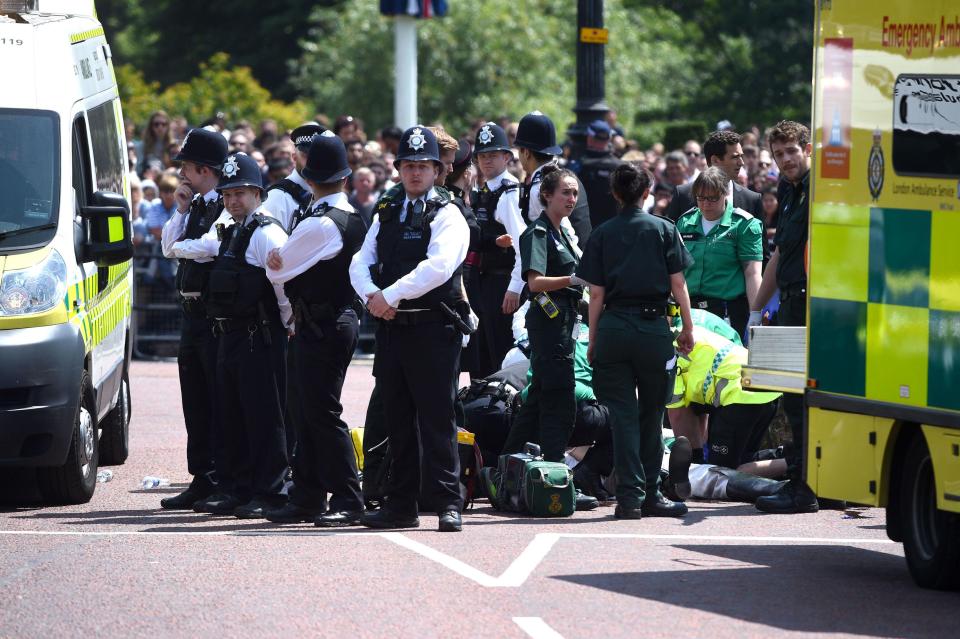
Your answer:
<point x="881" y="378"/>
<point x="65" y="249"/>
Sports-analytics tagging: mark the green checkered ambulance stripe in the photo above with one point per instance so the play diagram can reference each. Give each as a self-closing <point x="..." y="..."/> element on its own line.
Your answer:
<point x="97" y="314"/>
<point x="85" y="35"/>
<point x="885" y="304"/>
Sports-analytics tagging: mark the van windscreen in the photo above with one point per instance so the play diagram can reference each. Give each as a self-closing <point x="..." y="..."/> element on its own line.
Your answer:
<point x="29" y="176"/>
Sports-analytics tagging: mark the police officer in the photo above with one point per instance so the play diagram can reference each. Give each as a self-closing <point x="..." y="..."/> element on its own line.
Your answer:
<point x="496" y="204"/>
<point x="250" y="315"/>
<point x="786" y="270"/>
<point x="633" y="262"/>
<point x="727" y="248"/>
<point x="537" y="141"/>
<point x="313" y="267"/>
<point x="408" y="271"/>
<point x="198" y="207"/>
<point x="596" y="165"/>
<point x="292" y="193"/>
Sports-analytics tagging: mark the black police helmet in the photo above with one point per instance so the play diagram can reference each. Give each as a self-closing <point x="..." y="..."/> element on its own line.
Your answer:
<point x="491" y="137"/>
<point x="203" y="147"/>
<point x="537" y="133"/>
<point x="418" y="144"/>
<point x="326" y="159"/>
<point x="303" y="134"/>
<point x="240" y="169"/>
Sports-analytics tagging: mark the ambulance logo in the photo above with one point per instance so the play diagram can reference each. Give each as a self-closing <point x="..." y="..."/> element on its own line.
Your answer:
<point x="485" y="135"/>
<point x="417" y="141"/>
<point x="875" y="167"/>
<point x="230" y="167"/>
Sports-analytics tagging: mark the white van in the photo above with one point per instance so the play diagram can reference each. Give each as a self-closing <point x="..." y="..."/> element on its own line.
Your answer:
<point x="65" y="248"/>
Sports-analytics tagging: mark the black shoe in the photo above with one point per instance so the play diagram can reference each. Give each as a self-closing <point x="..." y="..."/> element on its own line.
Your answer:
<point x="383" y="518"/>
<point x="624" y="512"/>
<point x="256" y="508"/>
<point x="794" y="497"/>
<point x="589" y="482"/>
<point x="183" y="501"/>
<point x="660" y="506"/>
<point x="680" y="455"/>
<point x="749" y="488"/>
<point x="291" y="513"/>
<point x="338" y="519"/>
<point x="450" y="521"/>
<point x="217" y="504"/>
<point x="585" y="502"/>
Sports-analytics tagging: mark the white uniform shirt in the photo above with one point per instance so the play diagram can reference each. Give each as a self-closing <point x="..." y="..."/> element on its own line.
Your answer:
<point x="176" y="226"/>
<point x="508" y="214"/>
<point x="263" y="240"/>
<point x="281" y="205"/>
<point x="536" y="208"/>
<point x="314" y="239"/>
<point x="449" y="241"/>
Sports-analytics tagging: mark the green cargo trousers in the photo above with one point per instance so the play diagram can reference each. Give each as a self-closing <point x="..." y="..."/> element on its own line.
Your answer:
<point x="633" y="374"/>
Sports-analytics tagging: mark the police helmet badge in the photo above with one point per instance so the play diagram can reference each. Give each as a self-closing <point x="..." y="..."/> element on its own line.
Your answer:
<point x="875" y="166"/>
<point x="230" y="167"/>
<point x="485" y="136"/>
<point x="417" y="140"/>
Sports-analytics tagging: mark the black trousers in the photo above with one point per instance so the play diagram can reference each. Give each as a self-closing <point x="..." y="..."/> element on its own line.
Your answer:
<point x="735" y="432"/>
<point x="793" y="312"/>
<point x="324" y="461"/>
<point x="250" y="399"/>
<point x="374" y="450"/>
<point x="416" y="368"/>
<point x="197" y="361"/>
<point x="736" y="310"/>
<point x="495" y="332"/>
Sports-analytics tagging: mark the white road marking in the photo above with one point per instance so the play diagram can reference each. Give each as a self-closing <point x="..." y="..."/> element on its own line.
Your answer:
<point x="536" y="628"/>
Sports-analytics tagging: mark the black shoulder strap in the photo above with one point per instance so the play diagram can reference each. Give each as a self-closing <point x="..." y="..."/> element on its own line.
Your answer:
<point x="506" y="187"/>
<point x="299" y="194"/>
<point x="259" y="219"/>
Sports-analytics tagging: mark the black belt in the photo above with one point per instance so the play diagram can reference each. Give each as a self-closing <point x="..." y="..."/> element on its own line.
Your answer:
<point x="412" y="318"/>
<point x="650" y="308"/>
<point x="229" y="325"/>
<point x="714" y="305"/>
<point x="794" y="290"/>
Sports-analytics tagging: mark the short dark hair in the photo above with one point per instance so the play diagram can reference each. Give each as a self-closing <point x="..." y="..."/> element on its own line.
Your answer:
<point x="786" y="131"/>
<point x="717" y="143"/>
<point x="391" y="133"/>
<point x="629" y="181"/>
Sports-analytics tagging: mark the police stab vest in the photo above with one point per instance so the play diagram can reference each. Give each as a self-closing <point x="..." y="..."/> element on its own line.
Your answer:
<point x="237" y="289"/>
<point x="401" y="246"/>
<point x="494" y="258"/>
<point x="526" y="191"/>
<point x="299" y="194"/>
<point x="192" y="276"/>
<point x="328" y="281"/>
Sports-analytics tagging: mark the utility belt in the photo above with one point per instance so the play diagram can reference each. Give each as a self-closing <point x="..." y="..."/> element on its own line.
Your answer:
<point x="311" y="315"/>
<point x="224" y="325"/>
<point x="648" y="310"/>
<point x="794" y="290"/>
<point x="414" y="318"/>
<point x="555" y="302"/>
<point x="193" y="307"/>
<point x="719" y="307"/>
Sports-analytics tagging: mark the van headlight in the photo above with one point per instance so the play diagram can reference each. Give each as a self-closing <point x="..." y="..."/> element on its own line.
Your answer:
<point x="35" y="289"/>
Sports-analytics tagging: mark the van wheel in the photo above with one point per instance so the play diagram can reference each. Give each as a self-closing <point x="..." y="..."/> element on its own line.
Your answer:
<point x="75" y="481"/>
<point x="115" y="429"/>
<point x="931" y="537"/>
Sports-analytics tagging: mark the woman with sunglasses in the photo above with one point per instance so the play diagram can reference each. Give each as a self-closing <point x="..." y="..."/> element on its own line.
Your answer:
<point x="156" y="140"/>
<point x="727" y="248"/>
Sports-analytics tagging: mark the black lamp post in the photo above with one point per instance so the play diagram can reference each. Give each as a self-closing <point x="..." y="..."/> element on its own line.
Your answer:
<point x="591" y="43"/>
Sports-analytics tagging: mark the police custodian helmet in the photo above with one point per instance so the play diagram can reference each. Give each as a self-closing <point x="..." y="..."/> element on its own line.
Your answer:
<point x="203" y="147"/>
<point x="326" y="159"/>
<point x="537" y="133"/>
<point x="303" y="134"/>
<point x="239" y="170"/>
<point x="491" y="137"/>
<point x="418" y="144"/>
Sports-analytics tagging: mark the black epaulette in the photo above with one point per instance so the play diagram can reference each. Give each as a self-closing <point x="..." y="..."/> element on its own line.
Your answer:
<point x="506" y="186"/>
<point x="259" y="220"/>
<point x="386" y="207"/>
<point x="299" y="194"/>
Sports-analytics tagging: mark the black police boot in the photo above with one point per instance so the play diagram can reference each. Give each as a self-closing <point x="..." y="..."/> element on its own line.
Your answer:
<point x="660" y="506"/>
<point x="217" y="504"/>
<point x="383" y="518"/>
<point x="794" y="497"/>
<point x="338" y="519"/>
<point x="291" y="513"/>
<point x="450" y="521"/>
<point x="256" y="508"/>
<point x="626" y="512"/>
<point x="197" y="490"/>
<point x="679" y="467"/>
<point x="588" y="481"/>
<point x="585" y="502"/>
<point x="748" y="488"/>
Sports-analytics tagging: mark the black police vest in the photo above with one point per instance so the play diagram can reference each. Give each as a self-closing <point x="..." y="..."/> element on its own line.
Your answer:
<point x="192" y="276"/>
<point x="237" y="289"/>
<point x="299" y="194"/>
<point x="495" y="259"/>
<point x="468" y="216"/>
<point x="525" y="193"/>
<point x="328" y="281"/>
<point x="402" y="246"/>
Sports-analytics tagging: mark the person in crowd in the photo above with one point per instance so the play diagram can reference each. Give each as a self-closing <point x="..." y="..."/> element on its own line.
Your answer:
<point x="313" y="267"/>
<point x="726" y="243"/>
<point x="596" y="166"/>
<point x="149" y="190"/>
<point x="260" y="160"/>
<point x="389" y="138"/>
<point x="347" y="127"/>
<point x="695" y="159"/>
<point x="156" y="138"/>
<point x="278" y="169"/>
<point x="165" y="208"/>
<point x="408" y="272"/>
<point x="633" y="263"/>
<point x="290" y="194"/>
<point x="364" y="197"/>
<point x="250" y="316"/>
<point x="791" y="148"/>
<point x="675" y="169"/>
<point x="662" y="196"/>
<point x="355" y="153"/>
<point x="198" y="207"/>
<point x="138" y="221"/>
<point x="751" y="157"/>
<point x="768" y="199"/>
<point x="239" y="142"/>
<point x="497" y="207"/>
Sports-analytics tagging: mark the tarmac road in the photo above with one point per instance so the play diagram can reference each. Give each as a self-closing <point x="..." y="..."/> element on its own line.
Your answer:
<point x="120" y="566"/>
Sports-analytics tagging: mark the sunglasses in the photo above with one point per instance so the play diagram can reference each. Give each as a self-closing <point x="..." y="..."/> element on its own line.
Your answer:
<point x="707" y="198"/>
<point x="159" y="124"/>
<point x="693" y="154"/>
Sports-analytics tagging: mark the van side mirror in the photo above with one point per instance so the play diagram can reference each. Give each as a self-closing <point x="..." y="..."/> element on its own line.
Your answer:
<point x="109" y="239"/>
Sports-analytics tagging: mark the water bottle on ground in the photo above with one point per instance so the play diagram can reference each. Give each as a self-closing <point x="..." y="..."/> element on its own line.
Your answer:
<point x="149" y="482"/>
<point x="104" y="476"/>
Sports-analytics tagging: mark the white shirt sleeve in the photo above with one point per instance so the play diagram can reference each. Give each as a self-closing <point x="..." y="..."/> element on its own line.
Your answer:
<point x="206" y="247"/>
<point x="449" y="240"/>
<point x="314" y="239"/>
<point x="265" y="239"/>
<point x="280" y="206"/>
<point x="172" y="231"/>
<point x="366" y="257"/>
<point x="508" y="214"/>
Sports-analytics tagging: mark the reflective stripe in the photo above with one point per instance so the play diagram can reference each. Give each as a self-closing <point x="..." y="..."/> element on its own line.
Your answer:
<point x="715" y="366"/>
<point x="721" y="384"/>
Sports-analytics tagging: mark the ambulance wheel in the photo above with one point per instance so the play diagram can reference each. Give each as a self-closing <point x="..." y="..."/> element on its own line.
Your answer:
<point x="115" y="429"/>
<point x="931" y="537"/>
<point x="75" y="481"/>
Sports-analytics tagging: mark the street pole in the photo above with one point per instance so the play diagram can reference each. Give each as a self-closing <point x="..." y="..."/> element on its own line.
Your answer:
<point x="405" y="72"/>
<point x="591" y="45"/>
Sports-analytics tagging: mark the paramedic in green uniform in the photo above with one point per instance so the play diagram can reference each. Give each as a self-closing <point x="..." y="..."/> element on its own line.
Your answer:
<point x="548" y="262"/>
<point x="632" y="263"/>
<point x="727" y="248"/>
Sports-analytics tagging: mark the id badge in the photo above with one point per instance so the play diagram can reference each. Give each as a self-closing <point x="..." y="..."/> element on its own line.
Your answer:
<point x="575" y="333"/>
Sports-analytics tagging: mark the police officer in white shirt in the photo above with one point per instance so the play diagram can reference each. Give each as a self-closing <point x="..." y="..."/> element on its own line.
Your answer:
<point x="198" y="207"/>
<point x="292" y="193"/>
<point x="250" y="316"/>
<point x="408" y="271"/>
